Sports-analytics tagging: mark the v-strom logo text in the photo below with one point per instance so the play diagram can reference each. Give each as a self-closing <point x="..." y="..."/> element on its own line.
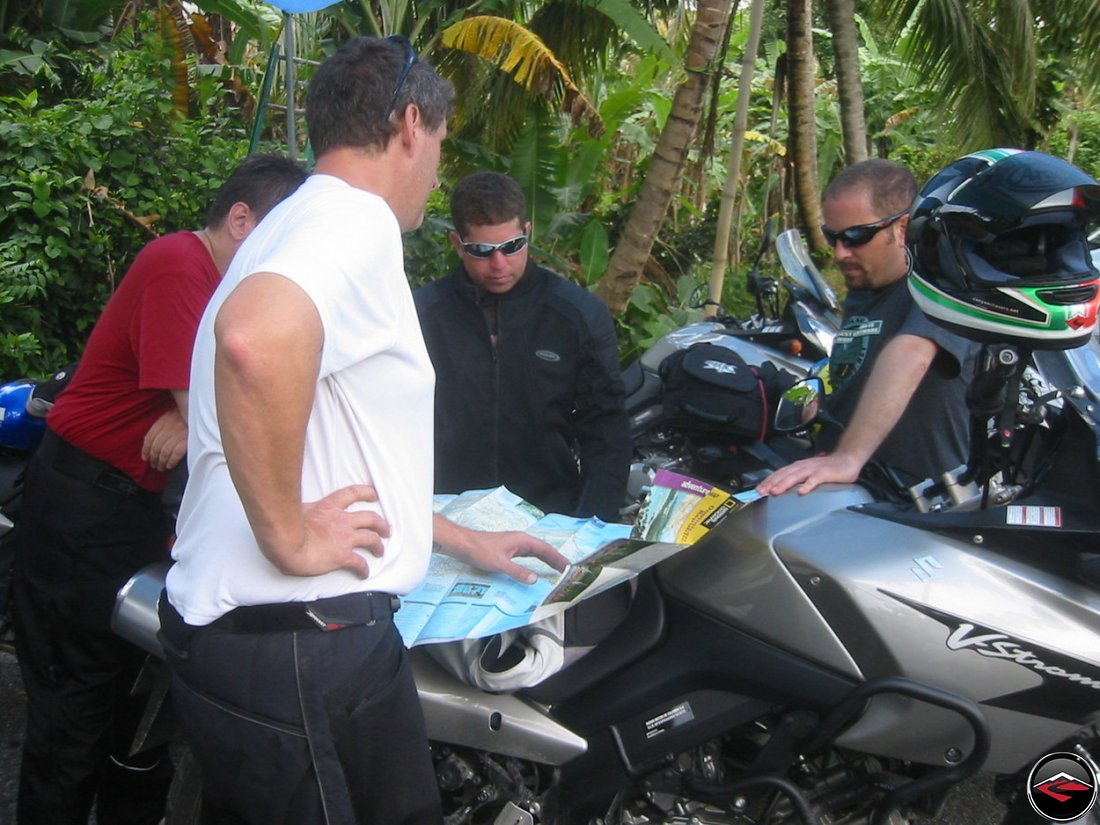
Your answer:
<point x="1000" y="646"/>
<point x="1069" y="684"/>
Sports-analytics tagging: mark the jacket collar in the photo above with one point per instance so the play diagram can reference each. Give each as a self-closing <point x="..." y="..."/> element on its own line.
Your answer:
<point x="532" y="276"/>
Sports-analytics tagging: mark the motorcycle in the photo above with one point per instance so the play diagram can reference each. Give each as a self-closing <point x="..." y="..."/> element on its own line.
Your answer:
<point x="793" y="334"/>
<point x="797" y="317"/>
<point x="847" y="656"/>
<point x="23" y="407"/>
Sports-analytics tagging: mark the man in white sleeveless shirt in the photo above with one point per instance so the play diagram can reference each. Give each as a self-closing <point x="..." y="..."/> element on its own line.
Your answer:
<point x="308" y="509"/>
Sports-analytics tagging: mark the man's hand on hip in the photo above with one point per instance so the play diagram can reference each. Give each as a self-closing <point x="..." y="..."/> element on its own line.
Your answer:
<point x="333" y="534"/>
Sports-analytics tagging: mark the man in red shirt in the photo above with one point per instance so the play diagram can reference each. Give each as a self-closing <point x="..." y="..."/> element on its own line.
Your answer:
<point x="92" y="516"/>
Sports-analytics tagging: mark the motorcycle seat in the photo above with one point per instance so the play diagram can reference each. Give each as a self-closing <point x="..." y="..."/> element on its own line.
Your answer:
<point x="633" y="378"/>
<point x="641" y="630"/>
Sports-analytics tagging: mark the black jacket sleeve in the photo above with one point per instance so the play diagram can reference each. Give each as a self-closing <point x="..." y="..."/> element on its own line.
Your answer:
<point x="603" y="436"/>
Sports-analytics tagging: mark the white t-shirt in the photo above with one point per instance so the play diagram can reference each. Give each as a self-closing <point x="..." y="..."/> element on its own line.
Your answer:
<point x="371" y="420"/>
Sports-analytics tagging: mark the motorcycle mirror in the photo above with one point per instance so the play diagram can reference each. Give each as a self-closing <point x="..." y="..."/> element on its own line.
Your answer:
<point x="767" y="239"/>
<point x="799" y="405"/>
<point x="771" y="229"/>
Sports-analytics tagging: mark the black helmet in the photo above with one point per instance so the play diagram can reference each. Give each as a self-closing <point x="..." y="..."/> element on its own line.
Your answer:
<point x="1000" y="249"/>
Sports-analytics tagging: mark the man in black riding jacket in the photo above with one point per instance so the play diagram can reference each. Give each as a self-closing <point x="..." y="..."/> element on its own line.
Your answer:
<point x="528" y="390"/>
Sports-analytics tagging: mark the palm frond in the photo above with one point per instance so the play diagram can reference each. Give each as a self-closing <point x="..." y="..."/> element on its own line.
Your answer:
<point x="982" y="57"/>
<point x="172" y="30"/>
<point x="522" y="55"/>
<point x="77" y="15"/>
<point x="626" y="16"/>
<point x="244" y="15"/>
<point x="536" y="163"/>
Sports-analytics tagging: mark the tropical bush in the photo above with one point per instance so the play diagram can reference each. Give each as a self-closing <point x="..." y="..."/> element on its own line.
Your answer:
<point x="88" y="180"/>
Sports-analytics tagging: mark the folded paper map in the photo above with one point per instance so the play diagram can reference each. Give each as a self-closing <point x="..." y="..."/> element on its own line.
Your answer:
<point x="457" y="601"/>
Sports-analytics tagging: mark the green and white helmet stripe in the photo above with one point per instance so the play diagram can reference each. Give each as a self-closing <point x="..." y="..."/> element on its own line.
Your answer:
<point x="994" y="155"/>
<point x="1054" y="323"/>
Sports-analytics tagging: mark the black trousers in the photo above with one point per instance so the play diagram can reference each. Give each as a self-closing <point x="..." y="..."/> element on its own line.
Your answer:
<point x="77" y="544"/>
<point x="303" y="727"/>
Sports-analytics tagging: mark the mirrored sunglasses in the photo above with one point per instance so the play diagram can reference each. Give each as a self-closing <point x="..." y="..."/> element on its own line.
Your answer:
<point x="507" y="248"/>
<point x="860" y="234"/>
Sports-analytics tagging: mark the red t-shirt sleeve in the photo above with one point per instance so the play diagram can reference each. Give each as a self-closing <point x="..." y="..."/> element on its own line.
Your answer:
<point x="170" y="308"/>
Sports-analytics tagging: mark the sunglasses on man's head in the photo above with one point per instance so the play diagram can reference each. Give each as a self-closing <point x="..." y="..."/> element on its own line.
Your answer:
<point x="410" y="59"/>
<point x="507" y="248"/>
<point x="860" y="234"/>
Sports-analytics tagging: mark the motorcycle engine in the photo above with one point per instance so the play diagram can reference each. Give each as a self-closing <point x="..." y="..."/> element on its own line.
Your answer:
<point x="479" y="788"/>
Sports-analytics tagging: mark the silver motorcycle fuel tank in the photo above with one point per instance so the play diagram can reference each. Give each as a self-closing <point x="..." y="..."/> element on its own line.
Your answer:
<point x="868" y="597"/>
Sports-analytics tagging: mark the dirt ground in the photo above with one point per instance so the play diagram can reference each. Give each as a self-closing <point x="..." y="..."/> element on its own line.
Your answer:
<point x="11" y="735"/>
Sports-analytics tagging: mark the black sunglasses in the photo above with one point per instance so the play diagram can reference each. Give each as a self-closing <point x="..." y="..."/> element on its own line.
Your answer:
<point x="860" y="234"/>
<point x="410" y="59"/>
<point x="507" y="248"/>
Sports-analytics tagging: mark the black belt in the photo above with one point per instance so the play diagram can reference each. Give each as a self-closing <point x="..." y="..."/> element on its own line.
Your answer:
<point x="334" y="613"/>
<point x="56" y="452"/>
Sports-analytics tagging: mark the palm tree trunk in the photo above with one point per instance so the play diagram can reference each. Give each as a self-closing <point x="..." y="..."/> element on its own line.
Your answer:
<point x="733" y="171"/>
<point x="802" y="138"/>
<point x="666" y="168"/>
<point x="853" y="125"/>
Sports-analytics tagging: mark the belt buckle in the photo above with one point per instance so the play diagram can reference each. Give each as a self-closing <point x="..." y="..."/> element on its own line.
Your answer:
<point x="324" y="624"/>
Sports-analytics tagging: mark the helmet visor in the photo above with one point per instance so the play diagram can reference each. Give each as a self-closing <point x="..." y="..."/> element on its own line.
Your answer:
<point x="1045" y="248"/>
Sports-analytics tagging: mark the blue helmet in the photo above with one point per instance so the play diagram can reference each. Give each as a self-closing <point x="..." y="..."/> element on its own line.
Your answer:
<point x="18" y="429"/>
<point x="1001" y="252"/>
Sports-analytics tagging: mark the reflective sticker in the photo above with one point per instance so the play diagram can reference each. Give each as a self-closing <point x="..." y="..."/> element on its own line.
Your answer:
<point x="1033" y="516"/>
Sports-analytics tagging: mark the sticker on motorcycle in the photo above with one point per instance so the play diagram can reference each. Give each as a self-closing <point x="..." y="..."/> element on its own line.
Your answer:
<point x="1018" y="515"/>
<point x="675" y="716"/>
<point x="1062" y="787"/>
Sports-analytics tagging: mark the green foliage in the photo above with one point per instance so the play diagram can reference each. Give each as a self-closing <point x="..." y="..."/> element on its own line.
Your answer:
<point x="1086" y="149"/>
<point x="93" y="146"/>
<point x="90" y="180"/>
<point x="428" y="251"/>
<point x="652" y="312"/>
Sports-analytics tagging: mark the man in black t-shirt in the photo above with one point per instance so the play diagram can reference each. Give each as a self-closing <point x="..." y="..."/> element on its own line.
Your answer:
<point x="899" y="381"/>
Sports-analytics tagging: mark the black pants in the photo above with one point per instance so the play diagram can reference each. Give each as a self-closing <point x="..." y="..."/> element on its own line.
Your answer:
<point x="76" y="545"/>
<point x="302" y="727"/>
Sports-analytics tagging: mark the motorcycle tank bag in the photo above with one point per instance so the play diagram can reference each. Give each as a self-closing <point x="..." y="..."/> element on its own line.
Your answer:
<point x="710" y="389"/>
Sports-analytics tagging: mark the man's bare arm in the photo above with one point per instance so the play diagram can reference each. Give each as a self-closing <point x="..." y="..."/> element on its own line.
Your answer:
<point x="897" y="373"/>
<point x="165" y="443"/>
<point x="268" y="348"/>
